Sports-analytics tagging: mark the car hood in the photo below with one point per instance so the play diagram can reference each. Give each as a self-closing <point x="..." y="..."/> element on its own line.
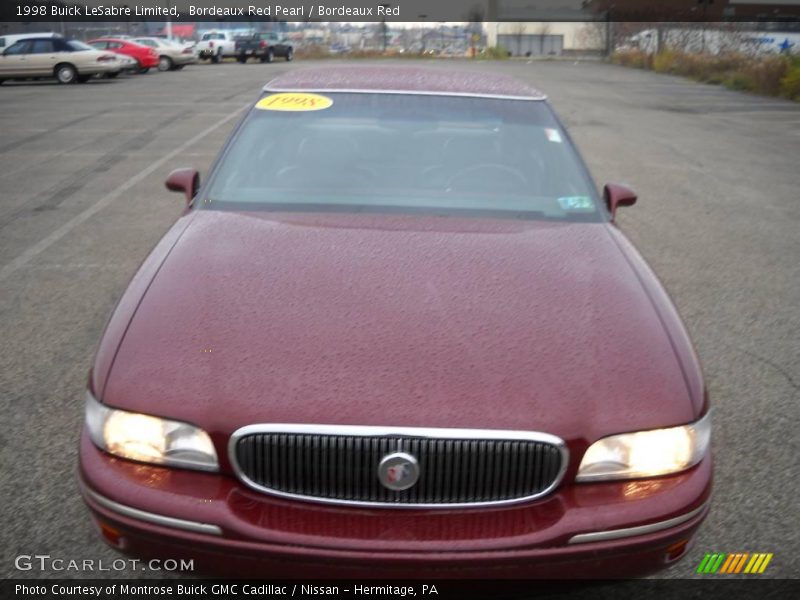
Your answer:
<point x="399" y="321"/>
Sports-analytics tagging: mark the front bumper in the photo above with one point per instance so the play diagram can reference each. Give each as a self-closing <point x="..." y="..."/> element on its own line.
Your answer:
<point x="227" y="528"/>
<point x="182" y="59"/>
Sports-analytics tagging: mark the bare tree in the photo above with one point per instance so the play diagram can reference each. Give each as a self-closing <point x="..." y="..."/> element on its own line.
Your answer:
<point x="475" y="16"/>
<point x="518" y="31"/>
<point x="405" y="39"/>
<point x="543" y="31"/>
<point x="593" y="35"/>
<point x="733" y="37"/>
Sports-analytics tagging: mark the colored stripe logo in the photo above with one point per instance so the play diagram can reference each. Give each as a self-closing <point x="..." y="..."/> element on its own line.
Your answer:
<point x="749" y="563"/>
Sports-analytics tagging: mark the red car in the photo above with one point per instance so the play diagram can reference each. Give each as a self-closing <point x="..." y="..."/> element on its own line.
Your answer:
<point x="145" y="57"/>
<point x="397" y="332"/>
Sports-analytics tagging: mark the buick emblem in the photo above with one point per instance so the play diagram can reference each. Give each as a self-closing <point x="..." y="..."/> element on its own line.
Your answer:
<point x="398" y="471"/>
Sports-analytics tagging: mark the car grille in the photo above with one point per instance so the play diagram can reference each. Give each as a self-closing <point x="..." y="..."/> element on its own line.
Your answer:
<point x="456" y="467"/>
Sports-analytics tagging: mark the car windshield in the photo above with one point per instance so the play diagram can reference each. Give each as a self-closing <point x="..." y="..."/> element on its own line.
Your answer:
<point x="79" y="46"/>
<point x="434" y="154"/>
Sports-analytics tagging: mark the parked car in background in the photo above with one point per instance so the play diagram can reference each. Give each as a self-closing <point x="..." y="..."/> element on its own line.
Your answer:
<point x="69" y="61"/>
<point x="264" y="46"/>
<point x="338" y="49"/>
<point x="170" y="55"/>
<point x="146" y="58"/>
<point x="216" y="45"/>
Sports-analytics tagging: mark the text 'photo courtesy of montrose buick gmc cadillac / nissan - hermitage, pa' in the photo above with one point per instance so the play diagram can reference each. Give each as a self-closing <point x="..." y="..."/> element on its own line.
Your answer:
<point x="397" y="332"/>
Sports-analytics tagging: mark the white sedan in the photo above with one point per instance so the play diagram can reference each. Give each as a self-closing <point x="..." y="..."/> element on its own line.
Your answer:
<point x="69" y="61"/>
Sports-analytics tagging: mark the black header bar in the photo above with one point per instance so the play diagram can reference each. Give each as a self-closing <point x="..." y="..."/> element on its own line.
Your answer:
<point x="430" y="11"/>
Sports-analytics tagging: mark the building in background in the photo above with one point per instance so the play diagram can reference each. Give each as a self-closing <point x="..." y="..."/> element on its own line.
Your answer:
<point x="543" y="38"/>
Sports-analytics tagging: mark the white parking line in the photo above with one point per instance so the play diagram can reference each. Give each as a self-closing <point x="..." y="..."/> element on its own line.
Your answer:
<point x="106" y="200"/>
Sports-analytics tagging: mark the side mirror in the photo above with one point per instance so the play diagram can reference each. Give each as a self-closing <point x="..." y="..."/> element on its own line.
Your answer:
<point x="617" y="195"/>
<point x="184" y="180"/>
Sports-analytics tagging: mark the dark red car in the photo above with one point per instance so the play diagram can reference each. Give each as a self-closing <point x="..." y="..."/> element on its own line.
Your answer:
<point x="145" y="57"/>
<point x="398" y="333"/>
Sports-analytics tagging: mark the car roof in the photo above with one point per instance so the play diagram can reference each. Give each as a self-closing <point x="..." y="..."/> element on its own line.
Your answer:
<point x="35" y="34"/>
<point x="404" y="80"/>
<point x="36" y="38"/>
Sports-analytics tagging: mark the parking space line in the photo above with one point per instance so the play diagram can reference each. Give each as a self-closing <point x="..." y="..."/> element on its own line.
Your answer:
<point x="39" y="247"/>
<point x="40" y="134"/>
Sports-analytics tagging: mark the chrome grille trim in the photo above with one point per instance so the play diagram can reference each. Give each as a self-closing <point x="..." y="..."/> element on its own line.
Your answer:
<point x="163" y="520"/>
<point x="615" y="534"/>
<point x="386" y="434"/>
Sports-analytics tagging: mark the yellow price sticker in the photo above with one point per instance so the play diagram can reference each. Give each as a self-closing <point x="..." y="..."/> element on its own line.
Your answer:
<point x="291" y="101"/>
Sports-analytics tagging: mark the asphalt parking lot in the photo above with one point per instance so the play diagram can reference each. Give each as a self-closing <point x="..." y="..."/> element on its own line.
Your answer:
<point x="82" y="202"/>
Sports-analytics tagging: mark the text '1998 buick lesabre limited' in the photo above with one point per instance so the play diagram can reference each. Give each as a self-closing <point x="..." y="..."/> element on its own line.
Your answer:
<point x="397" y="333"/>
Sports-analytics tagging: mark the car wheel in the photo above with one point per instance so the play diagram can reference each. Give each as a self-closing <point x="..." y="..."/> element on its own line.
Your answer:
<point x="84" y="78"/>
<point x="66" y="73"/>
<point x="242" y="58"/>
<point x="164" y="63"/>
<point x="269" y="56"/>
<point x="216" y="58"/>
<point x="289" y="54"/>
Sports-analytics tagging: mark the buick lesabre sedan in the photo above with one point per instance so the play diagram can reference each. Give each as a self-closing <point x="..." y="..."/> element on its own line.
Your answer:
<point x="68" y="61"/>
<point x="397" y="332"/>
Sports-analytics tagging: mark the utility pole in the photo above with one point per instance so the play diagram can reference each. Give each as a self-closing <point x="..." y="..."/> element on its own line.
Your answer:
<point x="704" y="4"/>
<point x="383" y="24"/>
<point x="169" y="20"/>
<point x="422" y="18"/>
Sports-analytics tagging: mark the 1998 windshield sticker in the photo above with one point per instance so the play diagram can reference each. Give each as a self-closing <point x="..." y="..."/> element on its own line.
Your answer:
<point x="553" y="135"/>
<point x="576" y="203"/>
<point x="295" y="102"/>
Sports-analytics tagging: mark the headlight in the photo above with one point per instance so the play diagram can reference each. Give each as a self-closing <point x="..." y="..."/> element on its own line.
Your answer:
<point x="149" y="439"/>
<point x="646" y="453"/>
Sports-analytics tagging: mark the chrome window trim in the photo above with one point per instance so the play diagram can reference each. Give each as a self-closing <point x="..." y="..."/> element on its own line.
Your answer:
<point x="154" y="518"/>
<point x="614" y="534"/>
<point x="380" y="431"/>
<point x="276" y="90"/>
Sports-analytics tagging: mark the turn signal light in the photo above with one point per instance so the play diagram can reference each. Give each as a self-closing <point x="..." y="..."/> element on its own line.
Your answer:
<point x="675" y="551"/>
<point x="111" y="535"/>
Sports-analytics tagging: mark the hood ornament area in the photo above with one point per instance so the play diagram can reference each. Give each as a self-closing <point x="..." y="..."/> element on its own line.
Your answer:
<point x="398" y="471"/>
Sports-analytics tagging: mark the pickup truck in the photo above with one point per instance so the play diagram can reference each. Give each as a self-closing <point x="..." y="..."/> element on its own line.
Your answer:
<point x="216" y="45"/>
<point x="263" y="46"/>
